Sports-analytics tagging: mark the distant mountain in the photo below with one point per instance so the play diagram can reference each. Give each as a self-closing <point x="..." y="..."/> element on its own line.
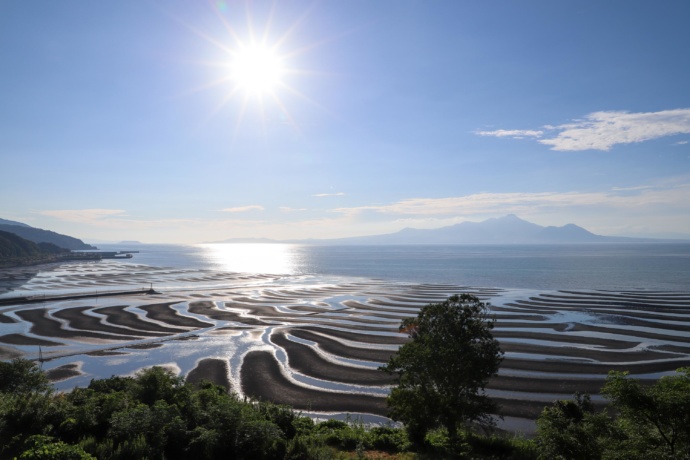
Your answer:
<point x="38" y="235"/>
<point x="12" y="222"/>
<point x="14" y="247"/>
<point x="509" y="229"/>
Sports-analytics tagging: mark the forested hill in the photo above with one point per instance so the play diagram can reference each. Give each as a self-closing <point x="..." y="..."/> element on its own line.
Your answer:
<point x="15" y="247"/>
<point x="38" y="235"/>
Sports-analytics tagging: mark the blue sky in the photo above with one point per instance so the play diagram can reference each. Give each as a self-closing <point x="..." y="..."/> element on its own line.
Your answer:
<point x="126" y="120"/>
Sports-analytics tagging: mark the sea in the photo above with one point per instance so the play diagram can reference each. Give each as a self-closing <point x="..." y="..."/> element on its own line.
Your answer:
<point x="616" y="267"/>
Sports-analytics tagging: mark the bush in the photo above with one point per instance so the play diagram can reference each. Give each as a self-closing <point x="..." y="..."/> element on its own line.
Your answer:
<point x="46" y="448"/>
<point x="389" y="439"/>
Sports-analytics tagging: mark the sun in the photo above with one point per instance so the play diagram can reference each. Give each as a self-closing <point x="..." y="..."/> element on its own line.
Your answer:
<point x="257" y="69"/>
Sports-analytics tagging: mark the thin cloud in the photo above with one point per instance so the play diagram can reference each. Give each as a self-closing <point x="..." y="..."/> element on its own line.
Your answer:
<point x="82" y="215"/>
<point x="329" y="194"/>
<point x="627" y="189"/>
<point x="253" y="207"/>
<point x="530" y="203"/>
<point x="514" y="133"/>
<point x="604" y="130"/>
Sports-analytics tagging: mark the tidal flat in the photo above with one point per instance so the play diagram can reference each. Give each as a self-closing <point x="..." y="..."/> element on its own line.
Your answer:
<point x="315" y="342"/>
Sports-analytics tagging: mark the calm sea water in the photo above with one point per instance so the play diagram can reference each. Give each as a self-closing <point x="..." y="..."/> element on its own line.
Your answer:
<point x="662" y="266"/>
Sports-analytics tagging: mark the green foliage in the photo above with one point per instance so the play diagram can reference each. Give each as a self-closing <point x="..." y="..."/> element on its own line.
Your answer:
<point x="503" y="447"/>
<point x="282" y="416"/>
<point x="113" y="384"/>
<point x="442" y="372"/>
<point x="155" y="415"/>
<point x="27" y="405"/>
<point x="24" y="415"/>
<point x="47" y="448"/>
<point x="137" y="447"/>
<point x="156" y="383"/>
<point x="654" y="419"/>
<point x="17" y="250"/>
<point x="572" y="429"/>
<point x="388" y="439"/>
<point x="22" y="376"/>
<point x="12" y="245"/>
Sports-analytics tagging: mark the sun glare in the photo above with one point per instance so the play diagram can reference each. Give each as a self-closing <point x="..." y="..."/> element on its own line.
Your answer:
<point x="257" y="69"/>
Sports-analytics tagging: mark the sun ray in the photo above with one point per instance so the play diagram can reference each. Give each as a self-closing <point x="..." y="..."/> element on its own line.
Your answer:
<point x="217" y="109"/>
<point x="254" y="66"/>
<point x="240" y="117"/>
<point x="283" y="38"/>
<point x="310" y="101"/>
<point x="286" y="112"/>
<point x="197" y="32"/>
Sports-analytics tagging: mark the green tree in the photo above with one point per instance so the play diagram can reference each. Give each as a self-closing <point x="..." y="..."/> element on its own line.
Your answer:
<point x="156" y="383"/>
<point x="442" y="372"/>
<point x="573" y="430"/>
<point x="47" y="448"/>
<point x="22" y="376"/>
<point x="655" y="418"/>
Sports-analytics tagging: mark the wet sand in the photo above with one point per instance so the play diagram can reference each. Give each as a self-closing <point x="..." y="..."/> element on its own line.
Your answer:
<point x="263" y="380"/>
<point x="211" y="370"/>
<point x="556" y="343"/>
<point x="63" y="372"/>
<point x="21" y="339"/>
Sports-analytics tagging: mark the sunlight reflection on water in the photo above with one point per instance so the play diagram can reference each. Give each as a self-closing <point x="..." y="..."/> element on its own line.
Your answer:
<point x="275" y="259"/>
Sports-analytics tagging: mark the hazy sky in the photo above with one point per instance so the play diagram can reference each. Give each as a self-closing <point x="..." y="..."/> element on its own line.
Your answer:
<point x="192" y="121"/>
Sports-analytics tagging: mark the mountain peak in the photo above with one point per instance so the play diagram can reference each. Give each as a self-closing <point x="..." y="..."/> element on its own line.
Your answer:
<point x="509" y="229"/>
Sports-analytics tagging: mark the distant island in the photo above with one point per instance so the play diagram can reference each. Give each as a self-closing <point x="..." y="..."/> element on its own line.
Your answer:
<point x="508" y="229"/>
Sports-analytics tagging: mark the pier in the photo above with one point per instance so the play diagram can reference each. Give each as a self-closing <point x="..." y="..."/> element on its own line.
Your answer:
<point x="52" y="298"/>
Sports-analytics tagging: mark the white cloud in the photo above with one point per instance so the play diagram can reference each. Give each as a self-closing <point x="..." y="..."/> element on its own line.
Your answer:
<point x="603" y="130"/>
<point x="329" y="194"/>
<point x="514" y="133"/>
<point x="252" y="207"/>
<point x="681" y="143"/>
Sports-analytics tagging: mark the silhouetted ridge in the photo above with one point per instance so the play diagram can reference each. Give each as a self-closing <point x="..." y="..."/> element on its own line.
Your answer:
<point x="38" y="235"/>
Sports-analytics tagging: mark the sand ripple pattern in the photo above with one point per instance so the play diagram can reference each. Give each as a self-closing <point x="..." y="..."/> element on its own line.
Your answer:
<point x="316" y="343"/>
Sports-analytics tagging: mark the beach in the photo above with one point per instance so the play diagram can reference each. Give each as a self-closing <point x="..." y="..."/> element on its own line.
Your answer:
<point x="316" y="343"/>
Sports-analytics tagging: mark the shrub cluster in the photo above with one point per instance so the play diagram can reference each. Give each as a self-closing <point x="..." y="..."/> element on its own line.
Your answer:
<point x="156" y="415"/>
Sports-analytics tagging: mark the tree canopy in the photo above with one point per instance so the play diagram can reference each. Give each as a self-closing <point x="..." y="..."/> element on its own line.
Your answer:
<point x="442" y="372"/>
<point x="22" y="376"/>
<point x="649" y="421"/>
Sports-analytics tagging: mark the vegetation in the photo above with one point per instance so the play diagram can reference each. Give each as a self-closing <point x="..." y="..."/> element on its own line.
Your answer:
<point x="649" y="421"/>
<point x="16" y="250"/>
<point x="443" y="370"/>
<point x="38" y="235"/>
<point x="156" y="415"/>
